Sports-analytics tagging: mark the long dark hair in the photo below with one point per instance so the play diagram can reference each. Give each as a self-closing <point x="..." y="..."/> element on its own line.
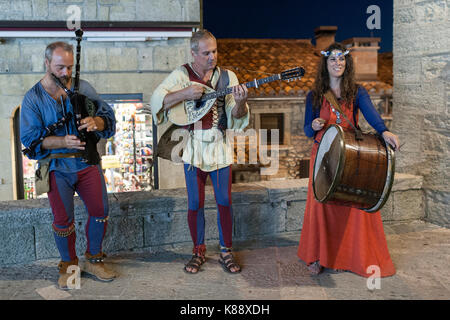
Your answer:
<point x="349" y="87"/>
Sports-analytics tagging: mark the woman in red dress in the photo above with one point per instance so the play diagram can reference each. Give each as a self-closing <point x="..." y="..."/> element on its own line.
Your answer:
<point x="334" y="236"/>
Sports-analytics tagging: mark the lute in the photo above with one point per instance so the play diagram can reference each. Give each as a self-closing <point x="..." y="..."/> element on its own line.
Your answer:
<point x="190" y="111"/>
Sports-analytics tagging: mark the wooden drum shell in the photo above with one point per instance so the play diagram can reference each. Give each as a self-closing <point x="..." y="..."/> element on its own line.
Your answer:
<point x="355" y="173"/>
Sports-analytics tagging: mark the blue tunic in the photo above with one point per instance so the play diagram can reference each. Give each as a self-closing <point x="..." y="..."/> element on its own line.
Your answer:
<point x="362" y="102"/>
<point x="40" y="110"/>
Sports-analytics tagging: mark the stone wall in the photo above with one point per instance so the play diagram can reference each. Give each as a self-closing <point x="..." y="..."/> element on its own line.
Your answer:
<point x="111" y="67"/>
<point x="102" y="10"/>
<point x="422" y="98"/>
<point x="157" y="219"/>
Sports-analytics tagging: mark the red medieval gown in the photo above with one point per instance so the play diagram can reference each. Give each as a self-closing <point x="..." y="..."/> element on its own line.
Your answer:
<point x="342" y="237"/>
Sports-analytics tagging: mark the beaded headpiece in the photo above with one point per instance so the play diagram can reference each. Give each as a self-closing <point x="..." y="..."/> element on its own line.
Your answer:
<point x="337" y="54"/>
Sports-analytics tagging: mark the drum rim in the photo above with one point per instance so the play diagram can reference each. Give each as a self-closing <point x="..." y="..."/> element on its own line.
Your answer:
<point x="338" y="175"/>
<point x="388" y="185"/>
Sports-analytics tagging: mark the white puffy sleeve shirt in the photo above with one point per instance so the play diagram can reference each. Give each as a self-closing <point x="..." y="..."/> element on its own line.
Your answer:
<point x="205" y="149"/>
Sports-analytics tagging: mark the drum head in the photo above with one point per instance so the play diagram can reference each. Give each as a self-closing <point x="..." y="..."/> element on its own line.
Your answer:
<point x="328" y="163"/>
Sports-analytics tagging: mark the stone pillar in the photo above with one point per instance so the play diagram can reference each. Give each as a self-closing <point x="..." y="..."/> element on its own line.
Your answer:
<point x="421" y="99"/>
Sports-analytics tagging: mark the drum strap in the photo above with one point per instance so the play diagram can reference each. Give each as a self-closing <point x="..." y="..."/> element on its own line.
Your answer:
<point x="333" y="101"/>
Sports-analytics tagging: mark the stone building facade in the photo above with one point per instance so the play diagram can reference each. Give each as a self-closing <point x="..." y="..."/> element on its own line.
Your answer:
<point x="422" y="98"/>
<point x="113" y="67"/>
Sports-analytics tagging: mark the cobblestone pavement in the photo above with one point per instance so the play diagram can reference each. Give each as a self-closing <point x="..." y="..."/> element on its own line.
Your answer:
<point x="271" y="271"/>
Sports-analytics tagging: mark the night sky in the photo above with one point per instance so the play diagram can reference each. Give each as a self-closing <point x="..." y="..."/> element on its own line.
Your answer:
<point x="296" y="19"/>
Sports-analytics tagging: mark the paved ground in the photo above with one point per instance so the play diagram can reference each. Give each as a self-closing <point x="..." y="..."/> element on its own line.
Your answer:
<point x="271" y="271"/>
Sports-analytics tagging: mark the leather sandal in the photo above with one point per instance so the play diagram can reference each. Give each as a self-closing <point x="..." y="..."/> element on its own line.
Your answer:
<point x="227" y="262"/>
<point x="195" y="263"/>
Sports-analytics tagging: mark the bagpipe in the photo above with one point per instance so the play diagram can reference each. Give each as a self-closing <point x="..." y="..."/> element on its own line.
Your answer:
<point x="82" y="107"/>
<point x="30" y="152"/>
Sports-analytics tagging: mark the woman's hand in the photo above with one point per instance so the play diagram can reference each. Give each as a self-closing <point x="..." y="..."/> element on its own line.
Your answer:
<point x="317" y="124"/>
<point x="392" y="139"/>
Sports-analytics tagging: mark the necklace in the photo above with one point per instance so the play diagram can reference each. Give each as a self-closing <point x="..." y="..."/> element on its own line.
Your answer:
<point x="338" y="114"/>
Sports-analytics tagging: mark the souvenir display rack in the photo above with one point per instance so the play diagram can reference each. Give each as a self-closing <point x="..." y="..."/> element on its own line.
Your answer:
<point x="128" y="162"/>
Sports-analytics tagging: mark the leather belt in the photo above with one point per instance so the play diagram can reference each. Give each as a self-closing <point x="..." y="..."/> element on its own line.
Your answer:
<point x="65" y="155"/>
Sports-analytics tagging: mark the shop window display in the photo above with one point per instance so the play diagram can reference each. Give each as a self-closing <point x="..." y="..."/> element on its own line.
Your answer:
<point x="28" y="178"/>
<point x="128" y="162"/>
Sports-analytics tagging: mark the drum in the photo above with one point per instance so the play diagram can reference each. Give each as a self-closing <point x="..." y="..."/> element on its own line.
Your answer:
<point x="351" y="172"/>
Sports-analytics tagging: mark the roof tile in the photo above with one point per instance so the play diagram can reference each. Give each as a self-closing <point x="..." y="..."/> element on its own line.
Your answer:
<point x="260" y="58"/>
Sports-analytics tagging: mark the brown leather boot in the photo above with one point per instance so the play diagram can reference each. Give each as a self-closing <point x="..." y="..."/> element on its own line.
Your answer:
<point x="64" y="276"/>
<point x="94" y="265"/>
